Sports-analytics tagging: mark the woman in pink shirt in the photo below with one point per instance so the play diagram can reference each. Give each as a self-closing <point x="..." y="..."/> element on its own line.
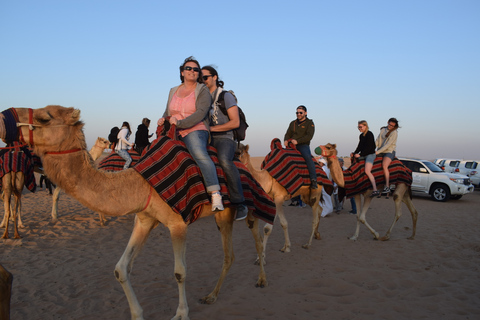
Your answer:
<point x="188" y="106"/>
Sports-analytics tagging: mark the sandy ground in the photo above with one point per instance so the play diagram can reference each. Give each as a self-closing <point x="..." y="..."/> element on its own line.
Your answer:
<point x="65" y="270"/>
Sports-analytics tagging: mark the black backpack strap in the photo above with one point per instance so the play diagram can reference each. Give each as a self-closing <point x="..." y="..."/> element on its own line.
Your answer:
<point x="221" y="102"/>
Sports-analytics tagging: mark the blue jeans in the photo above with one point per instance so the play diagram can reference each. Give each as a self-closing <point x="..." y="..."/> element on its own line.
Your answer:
<point x="354" y="206"/>
<point x="307" y="155"/>
<point x="196" y="143"/>
<point x="126" y="156"/>
<point x="225" y="153"/>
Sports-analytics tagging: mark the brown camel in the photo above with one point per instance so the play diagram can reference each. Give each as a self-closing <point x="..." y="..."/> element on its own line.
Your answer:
<point x="401" y="194"/>
<point x="6" y="280"/>
<point x="57" y="136"/>
<point x="279" y="195"/>
<point x="12" y="184"/>
<point x="96" y="151"/>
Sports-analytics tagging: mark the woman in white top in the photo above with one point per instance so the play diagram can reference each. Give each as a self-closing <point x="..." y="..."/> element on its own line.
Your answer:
<point x="122" y="146"/>
<point x="386" y="144"/>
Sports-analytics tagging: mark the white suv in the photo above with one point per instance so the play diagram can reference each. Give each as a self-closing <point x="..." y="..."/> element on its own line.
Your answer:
<point x="430" y="179"/>
<point x="471" y="169"/>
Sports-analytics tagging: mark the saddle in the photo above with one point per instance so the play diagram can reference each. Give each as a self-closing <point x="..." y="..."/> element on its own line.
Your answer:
<point x="288" y="167"/>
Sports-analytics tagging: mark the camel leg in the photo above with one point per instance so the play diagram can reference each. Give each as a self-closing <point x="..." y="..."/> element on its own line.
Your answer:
<point x="362" y="216"/>
<point x="101" y="217"/>
<point x="5" y="211"/>
<point x="252" y="224"/>
<point x="283" y="222"/>
<point x="55" y="198"/>
<point x="7" y="193"/>
<point x="16" y="214"/>
<point x="224" y="220"/>
<point x="142" y="228"/>
<point x="6" y="280"/>
<point x="267" y="231"/>
<point x="316" y="215"/>
<point x="407" y="199"/>
<point x="178" y="233"/>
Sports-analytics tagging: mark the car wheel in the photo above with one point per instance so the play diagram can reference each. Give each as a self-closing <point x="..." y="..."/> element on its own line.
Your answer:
<point x="456" y="197"/>
<point x="440" y="192"/>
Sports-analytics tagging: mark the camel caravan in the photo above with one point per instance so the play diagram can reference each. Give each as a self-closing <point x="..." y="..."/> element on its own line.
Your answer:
<point x="55" y="134"/>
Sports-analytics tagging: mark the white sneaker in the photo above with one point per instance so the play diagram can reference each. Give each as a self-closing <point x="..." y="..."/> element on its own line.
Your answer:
<point x="217" y="204"/>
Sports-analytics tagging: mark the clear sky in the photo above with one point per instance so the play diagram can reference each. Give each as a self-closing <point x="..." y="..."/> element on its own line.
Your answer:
<point x="349" y="60"/>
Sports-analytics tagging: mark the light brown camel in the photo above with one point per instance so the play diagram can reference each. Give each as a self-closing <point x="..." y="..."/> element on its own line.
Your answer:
<point x="58" y="138"/>
<point x="401" y="194"/>
<point x="96" y="151"/>
<point x="279" y="195"/>
<point x="6" y="280"/>
<point x="12" y="184"/>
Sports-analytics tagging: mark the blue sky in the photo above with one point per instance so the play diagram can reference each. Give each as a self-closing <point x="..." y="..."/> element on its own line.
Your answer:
<point x="418" y="61"/>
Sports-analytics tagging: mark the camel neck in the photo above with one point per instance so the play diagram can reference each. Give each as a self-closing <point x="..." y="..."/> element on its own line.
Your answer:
<point x="112" y="193"/>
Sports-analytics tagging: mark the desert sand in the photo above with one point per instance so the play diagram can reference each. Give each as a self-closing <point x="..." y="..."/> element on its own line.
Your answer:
<point x="65" y="270"/>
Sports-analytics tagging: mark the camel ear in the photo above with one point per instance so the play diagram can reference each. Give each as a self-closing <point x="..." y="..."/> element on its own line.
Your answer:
<point x="334" y="146"/>
<point x="246" y="148"/>
<point x="76" y="115"/>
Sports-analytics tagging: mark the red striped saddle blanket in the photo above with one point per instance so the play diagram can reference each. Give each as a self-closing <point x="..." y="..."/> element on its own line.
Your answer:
<point x="356" y="181"/>
<point x="288" y="167"/>
<point x="113" y="162"/>
<point x="173" y="173"/>
<point x="18" y="160"/>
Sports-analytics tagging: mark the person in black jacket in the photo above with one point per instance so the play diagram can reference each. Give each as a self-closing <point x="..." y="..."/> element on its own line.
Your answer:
<point x="142" y="136"/>
<point x="366" y="149"/>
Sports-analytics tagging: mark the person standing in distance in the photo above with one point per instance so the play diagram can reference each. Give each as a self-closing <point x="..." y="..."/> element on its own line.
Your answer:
<point x="301" y="132"/>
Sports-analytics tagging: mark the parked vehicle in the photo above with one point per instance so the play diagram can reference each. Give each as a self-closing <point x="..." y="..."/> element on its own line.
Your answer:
<point x="451" y="165"/>
<point x="471" y="168"/>
<point x="439" y="162"/>
<point x="428" y="178"/>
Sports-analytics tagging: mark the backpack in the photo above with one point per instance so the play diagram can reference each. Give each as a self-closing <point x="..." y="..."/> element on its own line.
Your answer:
<point x="240" y="133"/>
<point x="112" y="137"/>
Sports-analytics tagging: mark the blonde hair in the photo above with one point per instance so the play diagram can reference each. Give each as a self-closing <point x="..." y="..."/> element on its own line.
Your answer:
<point x="364" y="123"/>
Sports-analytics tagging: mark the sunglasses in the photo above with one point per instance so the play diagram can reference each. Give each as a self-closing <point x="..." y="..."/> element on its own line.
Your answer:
<point x="299" y="112"/>
<point x="195" y="69"/>
<point x="206" y="77"/>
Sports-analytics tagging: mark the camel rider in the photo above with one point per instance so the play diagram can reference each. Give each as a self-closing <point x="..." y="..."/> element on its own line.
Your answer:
<point x="300" y="132"/>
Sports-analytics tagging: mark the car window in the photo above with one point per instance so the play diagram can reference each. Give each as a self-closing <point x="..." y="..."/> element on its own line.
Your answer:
<point x="471" y="165"/>
<point x="432" y="167"/>
<point x="454" y="163"/>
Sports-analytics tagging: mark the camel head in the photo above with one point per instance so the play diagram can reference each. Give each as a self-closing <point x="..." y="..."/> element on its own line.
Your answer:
<point x="102" y="143"/>
<point x="49" y="129"/>
<point x="242" y="153"/>
<point x="327" y="151"/>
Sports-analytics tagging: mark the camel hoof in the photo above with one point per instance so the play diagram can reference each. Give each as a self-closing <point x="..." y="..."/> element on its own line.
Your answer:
<point x="261" y="284"/>
<point x="285" y="249"/>
<point x="306" y="246"/>
<point x="352" y="238"/>
<point x="411" y="238"/>
<point x="384" y="238"/>
<point x="208" y="300"/>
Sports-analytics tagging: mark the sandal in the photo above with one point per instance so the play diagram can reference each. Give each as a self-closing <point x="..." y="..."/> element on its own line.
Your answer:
<point x="375" y="194"/>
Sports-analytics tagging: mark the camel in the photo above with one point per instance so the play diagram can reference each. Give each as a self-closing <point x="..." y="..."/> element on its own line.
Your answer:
<point x="279" y="195"/>
<point x="57" y="136"/>
<point x="6" y="280"/>
<point x="402" y="193"/>
<point x="12" y="184"/>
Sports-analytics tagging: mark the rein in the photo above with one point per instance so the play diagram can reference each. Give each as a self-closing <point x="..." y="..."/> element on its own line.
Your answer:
<point x="64" y="152"/>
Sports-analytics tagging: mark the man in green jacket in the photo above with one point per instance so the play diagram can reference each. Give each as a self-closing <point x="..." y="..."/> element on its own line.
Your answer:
<point x="300" y="132"/>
